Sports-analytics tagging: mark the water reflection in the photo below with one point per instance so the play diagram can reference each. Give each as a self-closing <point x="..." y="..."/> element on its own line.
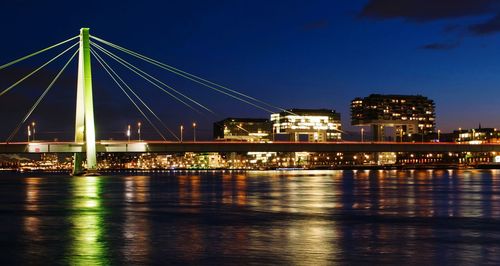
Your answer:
<point x="296" y="217"/>
<point x="189" y="190"/>
<point x="234" y="189"/>
<point x="136" y="227"/>
<point x="32" y="193"/>
<point x="32" y="223"/>
<point x="88" y="245"/>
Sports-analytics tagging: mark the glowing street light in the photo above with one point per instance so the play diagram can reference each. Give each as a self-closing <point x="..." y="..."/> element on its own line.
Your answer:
<point x="182" y="131"/>
<point x="362" y="134"/>
<point x="29" y="133"/>
<point x="194" y="131"/>
<point x="439" y="135"/>
<point x="128" y="133"/>
<point x="139" y="130"/>
<point x="33" y="128"/>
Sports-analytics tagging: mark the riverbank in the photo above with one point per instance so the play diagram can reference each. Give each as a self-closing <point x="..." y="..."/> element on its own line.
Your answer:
<point x="339" y="167"/>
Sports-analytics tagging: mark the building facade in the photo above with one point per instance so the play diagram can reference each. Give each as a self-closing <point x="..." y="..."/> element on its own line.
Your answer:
<point x="406" y="114"/>
<point x="477" y="135"/>
<point x="314" y="125"/>
<point x="243" y="129"/>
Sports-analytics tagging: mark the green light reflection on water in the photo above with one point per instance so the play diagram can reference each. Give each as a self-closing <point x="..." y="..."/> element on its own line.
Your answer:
<point x="88" y="246"/>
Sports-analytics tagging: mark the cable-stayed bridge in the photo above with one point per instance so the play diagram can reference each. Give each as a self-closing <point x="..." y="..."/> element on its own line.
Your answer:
<point x="85" y="145"/>
<point x="88" y="46"/>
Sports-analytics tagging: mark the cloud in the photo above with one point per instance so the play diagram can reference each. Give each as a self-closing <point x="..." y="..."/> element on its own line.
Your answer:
<point x="488" y="27"/>
<point x="440" y="46"/>
<point x="422" y="11"/>
<point x="314" y="25"/>
<point x="428" y="10"/>
<point x="451" y="28"/>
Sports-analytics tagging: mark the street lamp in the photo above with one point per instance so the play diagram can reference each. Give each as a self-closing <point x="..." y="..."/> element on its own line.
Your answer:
<point x="194" y="131"/>
<point x="29" y="133"/>
<point x="139" y="130"/>
<point x="182" y="130"/>
<point x="128" y="133"/>
<point x="33" y="127"/>
<point x="362" y="134"/>
<point x="439" y="135"/>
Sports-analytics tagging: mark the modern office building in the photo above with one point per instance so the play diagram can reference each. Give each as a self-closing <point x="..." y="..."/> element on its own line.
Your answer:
<point x="243" y="129"/>
<point x="406" y="114"/>
<point x="314" y="125"/>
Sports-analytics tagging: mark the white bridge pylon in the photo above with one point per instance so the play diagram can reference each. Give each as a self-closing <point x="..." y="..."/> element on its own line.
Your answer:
<point x="84" y="121"/>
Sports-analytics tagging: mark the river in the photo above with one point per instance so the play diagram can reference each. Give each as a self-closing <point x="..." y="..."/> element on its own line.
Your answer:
<point x="262" y="217"/>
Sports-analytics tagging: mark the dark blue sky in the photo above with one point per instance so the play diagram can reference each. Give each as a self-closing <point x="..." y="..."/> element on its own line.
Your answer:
<point x="295" y="54"/>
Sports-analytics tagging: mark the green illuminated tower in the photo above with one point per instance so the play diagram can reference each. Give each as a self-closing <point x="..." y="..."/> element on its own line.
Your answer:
<point x="84" y="123"/>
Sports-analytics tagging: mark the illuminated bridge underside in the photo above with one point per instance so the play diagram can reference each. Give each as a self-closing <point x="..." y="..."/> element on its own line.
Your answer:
<point x="168" y="147"/>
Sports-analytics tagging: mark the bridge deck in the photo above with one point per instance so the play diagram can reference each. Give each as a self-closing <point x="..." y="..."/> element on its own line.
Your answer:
<point x="216" y="146"/>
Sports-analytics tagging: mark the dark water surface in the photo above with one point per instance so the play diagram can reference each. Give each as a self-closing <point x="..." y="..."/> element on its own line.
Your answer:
<point x="303" y="217"/>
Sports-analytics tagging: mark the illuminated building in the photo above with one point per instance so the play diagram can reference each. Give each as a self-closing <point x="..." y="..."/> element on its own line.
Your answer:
<point x="260" y="158"/>
<point x="407" y="114"/>
<point x="49" y="161"/>
<point x="428" y="158"/>
<point x="477" y="135"/>
<point x="243" y="129"/>
<point x="314" y="125"/>
<point x="386" y="158"/>
<point x="208" y="160"/>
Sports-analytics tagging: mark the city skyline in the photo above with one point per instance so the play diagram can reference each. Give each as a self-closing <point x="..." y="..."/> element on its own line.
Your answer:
<point x="333" y="51"/>
<point x="229" y="132"/>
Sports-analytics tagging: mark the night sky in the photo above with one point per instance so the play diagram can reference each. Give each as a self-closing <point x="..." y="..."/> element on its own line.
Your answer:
<point x="293" y="54"/>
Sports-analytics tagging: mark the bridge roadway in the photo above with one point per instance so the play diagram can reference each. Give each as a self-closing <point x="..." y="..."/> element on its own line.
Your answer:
<point x="221" y="146"/>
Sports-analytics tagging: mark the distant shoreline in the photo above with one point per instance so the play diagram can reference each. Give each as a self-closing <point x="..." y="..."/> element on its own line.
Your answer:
<point x="347" y="167"/>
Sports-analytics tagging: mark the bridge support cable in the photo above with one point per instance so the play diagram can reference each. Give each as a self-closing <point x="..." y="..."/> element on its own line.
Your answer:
<point x="36" y="70"/>
<point x="35" y="105"/>
<point x="105" y="66"/>
<point x="117" y="58"/>
<point x="196" y="79"/>
<point x="135" y="69"/>
<point x="134" y="93"/>
<point x="35" y="53"/>
<point x="148" y="78"/>
<point x="179" y="72"/>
